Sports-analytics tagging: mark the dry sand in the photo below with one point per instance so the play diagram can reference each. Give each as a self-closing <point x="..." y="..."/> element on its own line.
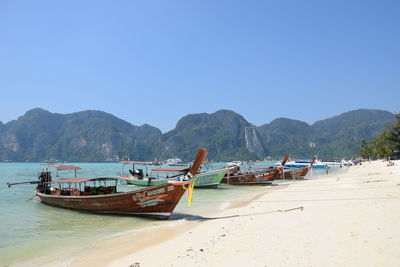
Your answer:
<point x="349" y="218"/>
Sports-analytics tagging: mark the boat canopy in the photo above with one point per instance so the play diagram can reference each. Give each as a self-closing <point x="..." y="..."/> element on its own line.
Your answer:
<point x="303" y="161"/>
<point x="81" y="180"/>
<point x="170" y="169"/>
<point x="129" y="162"/>
<point x="63" y="167"/>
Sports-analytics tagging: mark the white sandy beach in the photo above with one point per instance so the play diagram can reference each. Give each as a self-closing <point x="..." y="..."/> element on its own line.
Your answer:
<point x="349" y="218"/>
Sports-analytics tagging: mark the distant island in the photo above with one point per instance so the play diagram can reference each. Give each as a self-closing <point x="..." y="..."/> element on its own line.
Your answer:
<point x="91" y="135"/>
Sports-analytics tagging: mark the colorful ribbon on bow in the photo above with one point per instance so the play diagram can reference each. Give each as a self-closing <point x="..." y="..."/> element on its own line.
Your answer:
<point x="281" y="169"/>
<point x="189" y="191"/>
<point x="310" y="169"/>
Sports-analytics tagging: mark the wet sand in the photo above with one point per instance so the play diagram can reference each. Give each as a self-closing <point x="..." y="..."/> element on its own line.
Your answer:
<point x="347" y="218"/>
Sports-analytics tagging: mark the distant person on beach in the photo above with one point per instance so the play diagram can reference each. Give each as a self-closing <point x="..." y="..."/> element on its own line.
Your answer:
<point x="327" y="169"/>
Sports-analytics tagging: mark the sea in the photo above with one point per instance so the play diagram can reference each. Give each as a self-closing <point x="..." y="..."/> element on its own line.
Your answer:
<point x="34" y="234"/>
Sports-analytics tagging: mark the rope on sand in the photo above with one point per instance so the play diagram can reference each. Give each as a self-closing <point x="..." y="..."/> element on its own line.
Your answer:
<point x="298" y="208"/>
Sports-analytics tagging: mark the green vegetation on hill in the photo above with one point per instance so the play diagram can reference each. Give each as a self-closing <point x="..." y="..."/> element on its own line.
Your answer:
<point x="82" y="136"/>
<point x="336" y="137"/>
<point x="222" y="133"/>
<point x="387" y="144"/>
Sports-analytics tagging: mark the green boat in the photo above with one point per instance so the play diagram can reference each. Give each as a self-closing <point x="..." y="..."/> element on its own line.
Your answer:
<point x="209" y="179"/>
<point x="146" y="181"/>
<point x="137" y="177"/>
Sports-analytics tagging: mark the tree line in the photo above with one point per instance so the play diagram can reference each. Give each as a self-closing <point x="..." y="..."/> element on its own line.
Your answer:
<point x="387" y="144"/>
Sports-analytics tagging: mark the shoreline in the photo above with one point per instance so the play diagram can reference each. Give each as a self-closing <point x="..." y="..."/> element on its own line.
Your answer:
<point x="125" y="245"/>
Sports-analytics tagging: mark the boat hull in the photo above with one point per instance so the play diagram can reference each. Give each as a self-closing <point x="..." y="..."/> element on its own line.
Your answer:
<point x="293" y="174"/>
<point x="156" y="201"/>
<point x="303" y="165"/>
<point x="253" y="178"/>
<point x="145" y="182"/>
<point x="209" y="179"/>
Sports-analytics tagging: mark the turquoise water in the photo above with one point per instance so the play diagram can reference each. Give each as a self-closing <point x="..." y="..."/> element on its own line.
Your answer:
<point x="31" y="232"/>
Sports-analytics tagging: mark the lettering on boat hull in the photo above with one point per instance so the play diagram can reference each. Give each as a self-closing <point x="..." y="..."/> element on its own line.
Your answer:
<point x="150" y="202"/>
<point x="138" y="196"/>
<point x="151" y="198"/>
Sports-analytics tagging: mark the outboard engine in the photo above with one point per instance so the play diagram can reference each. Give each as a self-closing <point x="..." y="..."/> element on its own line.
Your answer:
<point x="138" y="173"/>
<point x="44" y="182"/>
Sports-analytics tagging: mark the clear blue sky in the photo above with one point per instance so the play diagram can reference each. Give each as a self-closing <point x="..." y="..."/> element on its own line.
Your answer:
<point x="156" y="61"/>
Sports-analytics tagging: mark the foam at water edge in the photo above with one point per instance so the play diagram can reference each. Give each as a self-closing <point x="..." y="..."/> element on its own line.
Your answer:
<point x="64" y="263"/>
<point x="171" y="224"/>
<point x="224" y="205"/>
<point x="44" y="261"/>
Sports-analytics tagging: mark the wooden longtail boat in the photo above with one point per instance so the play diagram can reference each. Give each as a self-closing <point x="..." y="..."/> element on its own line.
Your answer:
<point x="264" y="177"/>
<point x="140" y="180"/>
<point x="251" y="178"/>
<point x="137" y="177"/>
<point x="155" y="201"/>
<point x="63" y="167"/>
<point x="297" y="173"/>
<point x="303" y="163"/>
<point x="146" y="181"/>
<point x="207" y="179"/>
